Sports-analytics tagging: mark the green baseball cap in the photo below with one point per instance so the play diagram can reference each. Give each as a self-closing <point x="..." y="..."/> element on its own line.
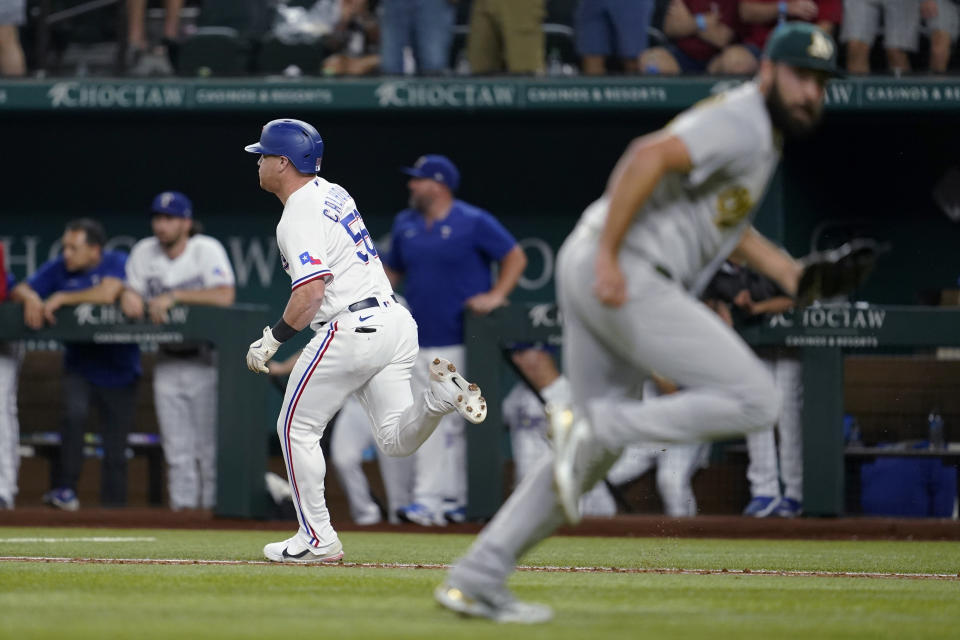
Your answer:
<point x="803" y="45"/>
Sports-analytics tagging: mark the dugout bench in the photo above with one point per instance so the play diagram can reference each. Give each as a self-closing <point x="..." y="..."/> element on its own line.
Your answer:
<point x="822" y="333"/>
<point x="243" y="425"/>
<point x="46" y="444"/>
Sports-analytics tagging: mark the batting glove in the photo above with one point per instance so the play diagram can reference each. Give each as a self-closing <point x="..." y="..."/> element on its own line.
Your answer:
<point x="261" y="351"/>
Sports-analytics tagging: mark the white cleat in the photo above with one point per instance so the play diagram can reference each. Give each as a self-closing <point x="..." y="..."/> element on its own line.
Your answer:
<point x="500" y="606"/>
<point x="294" y="550"/>
<point x="568" y="432"/>
<point x="449" y="386"/>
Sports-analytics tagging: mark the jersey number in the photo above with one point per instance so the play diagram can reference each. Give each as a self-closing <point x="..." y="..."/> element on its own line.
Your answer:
<point x="353" y="223"/>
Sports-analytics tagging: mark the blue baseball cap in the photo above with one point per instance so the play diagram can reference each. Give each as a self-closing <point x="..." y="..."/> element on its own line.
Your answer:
<point x="434" y="167"/>
<point x="172" y="203"/>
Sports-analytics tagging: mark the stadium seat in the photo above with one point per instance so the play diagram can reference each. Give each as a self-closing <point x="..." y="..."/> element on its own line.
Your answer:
<point x="213" y="51"/>
<point x="458" y="46"/>
<point x="275" y="56"/>
<point x="560" y="12"/>
<point x="250" y="18"/>
<point x="560" y="45"/>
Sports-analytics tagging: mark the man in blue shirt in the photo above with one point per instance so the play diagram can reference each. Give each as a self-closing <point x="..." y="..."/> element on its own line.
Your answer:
<point x="105" y="375"/>
<point x="443" y="249"/>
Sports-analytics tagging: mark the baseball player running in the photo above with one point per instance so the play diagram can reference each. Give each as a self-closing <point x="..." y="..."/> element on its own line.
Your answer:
<point x="178" y="266"/>
<point x="365" y="341"/>
<point x="678" y="203"/>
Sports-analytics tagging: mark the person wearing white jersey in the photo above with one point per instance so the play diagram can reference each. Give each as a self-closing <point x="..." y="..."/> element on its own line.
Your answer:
<point x="365" y="341"/>
<point x="11" y="357"/>
<point x="774" y="458"/>
<point x="677" y="204"/>
<point x="523" y="413"/>
<point x="177" y="266"/>
<point x="676" y="464"/>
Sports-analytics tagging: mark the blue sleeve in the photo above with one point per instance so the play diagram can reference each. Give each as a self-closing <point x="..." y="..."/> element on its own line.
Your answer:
<point x="11" y="282"/>
<point x="48" y="278"/>
<point x="492" y="238"/>
<point x="114" y="265"/>
<point x="394" y="257"/>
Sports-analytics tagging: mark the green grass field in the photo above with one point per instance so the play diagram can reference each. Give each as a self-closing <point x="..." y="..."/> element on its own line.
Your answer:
<point x="97" y="600"/>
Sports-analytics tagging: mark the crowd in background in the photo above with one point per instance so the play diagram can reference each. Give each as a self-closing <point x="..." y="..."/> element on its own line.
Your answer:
<point x="484" y="37"/>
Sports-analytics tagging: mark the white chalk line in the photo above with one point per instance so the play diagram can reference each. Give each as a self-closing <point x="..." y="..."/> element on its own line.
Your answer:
<point x="536" y="569"/>
<point x="80" y="539"/>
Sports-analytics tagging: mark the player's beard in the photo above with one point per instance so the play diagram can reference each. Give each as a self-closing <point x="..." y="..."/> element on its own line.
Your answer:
<point x="171" y="241"/>
<point x="785" y="121"/>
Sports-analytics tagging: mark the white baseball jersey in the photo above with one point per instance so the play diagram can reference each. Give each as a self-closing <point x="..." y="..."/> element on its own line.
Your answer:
<point x="692" y="222"/>
<point x="321" y="235"/>
<point x="185" y="389"/>
<point x="202" y="265"/>
<point x="524" y="414"/>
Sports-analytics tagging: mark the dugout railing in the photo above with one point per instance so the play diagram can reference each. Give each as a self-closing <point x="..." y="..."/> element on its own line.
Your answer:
<point x="243" y="423"/>
<point x="823" y="335"/>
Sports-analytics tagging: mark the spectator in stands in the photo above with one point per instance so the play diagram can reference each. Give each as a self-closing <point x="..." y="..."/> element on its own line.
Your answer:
<point x="11" y="355"/>
<point x="105" y="375"/>
<point x="424" y="25"/>
<point x="941" y="19"/>
<point x="143" y="59"/>
<point x="702" y="34"/>
<point x="178" y="265"/>
<point x="612" y="28"/>
<point x="506" y="36"/>
<point x="861" y="23"/>
<point x="12" y="15"/>
<point x="758" y="18"/>
<point x="353" y="42"/>
<point x="443" y="249"/>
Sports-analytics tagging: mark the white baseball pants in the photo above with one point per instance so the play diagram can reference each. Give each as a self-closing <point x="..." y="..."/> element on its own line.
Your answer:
<point x="762" y="449"/>
<point x="351" y="437"/>
<point x="372" y="358"/>
<point x="440" y="465"/>
<point x="11" y="356"/>
<point x="185" y="395"/>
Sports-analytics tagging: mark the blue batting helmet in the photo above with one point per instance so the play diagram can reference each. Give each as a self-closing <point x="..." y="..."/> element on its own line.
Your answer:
<point x="296" y="140"/>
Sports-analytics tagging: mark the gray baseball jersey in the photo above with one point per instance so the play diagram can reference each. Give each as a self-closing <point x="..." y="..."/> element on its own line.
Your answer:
<point x="691" y="223"/>
<point x="687" y="228"/>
